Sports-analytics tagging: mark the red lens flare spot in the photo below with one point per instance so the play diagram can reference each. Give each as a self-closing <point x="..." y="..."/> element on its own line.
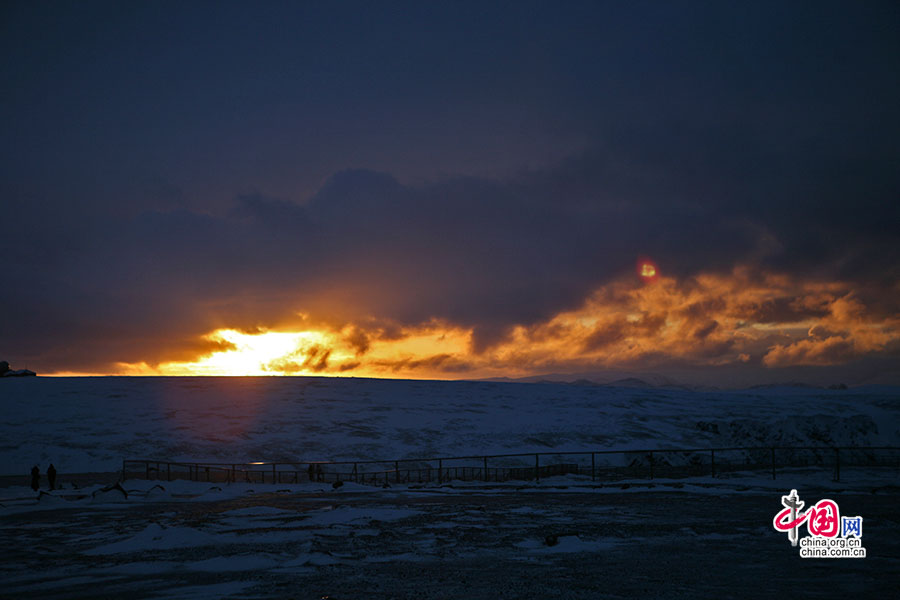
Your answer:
<point x="647" y="269"/>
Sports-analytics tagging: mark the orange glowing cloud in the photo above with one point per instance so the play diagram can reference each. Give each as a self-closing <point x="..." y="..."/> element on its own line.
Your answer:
<point x="711" y="319"/>
<point x="422" y="351"/>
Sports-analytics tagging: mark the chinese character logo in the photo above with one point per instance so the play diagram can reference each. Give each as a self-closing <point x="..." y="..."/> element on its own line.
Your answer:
<point x="787" y="520"/>
<point x="831" y="536"/>
<point x="851" y="526"/>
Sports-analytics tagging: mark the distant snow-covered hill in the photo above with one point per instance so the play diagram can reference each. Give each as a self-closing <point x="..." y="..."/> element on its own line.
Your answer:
<point x="91" y="424"/>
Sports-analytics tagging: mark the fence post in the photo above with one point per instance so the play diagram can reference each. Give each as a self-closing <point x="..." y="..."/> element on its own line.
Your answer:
<point x="274" y="473"/>
<point x="651" y="465"/>
<point x="837" y="464"/>
<point x="485" y="469"/>
<point x="440" y="471"/>
<point x="355" y="473"/>
<point x="397" y="471"/>
<point x="712" y="461"/>
<point x="773" y="463"/>
<point x="593" y="467"/>
<point x="537" y="468"/>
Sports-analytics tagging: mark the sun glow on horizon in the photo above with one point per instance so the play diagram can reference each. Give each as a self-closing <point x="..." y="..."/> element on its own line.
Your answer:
<point x="248" y="354"/>
<point x="417" y="353"/>
<point x="711" y="319"/>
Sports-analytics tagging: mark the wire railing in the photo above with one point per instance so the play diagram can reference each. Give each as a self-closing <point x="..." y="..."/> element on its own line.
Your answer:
<point x="602" y="465"/>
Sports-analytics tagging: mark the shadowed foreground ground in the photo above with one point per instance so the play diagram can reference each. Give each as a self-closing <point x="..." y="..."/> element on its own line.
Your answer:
<point x="648" y="544"/>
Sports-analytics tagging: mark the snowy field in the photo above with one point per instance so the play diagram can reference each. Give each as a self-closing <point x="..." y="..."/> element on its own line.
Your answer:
<point x="92" y="424"/>
<point x="570" y="537"/>
<point x="561" y="538"/>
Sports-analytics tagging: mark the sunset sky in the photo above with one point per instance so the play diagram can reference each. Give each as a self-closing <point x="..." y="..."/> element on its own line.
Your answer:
<point x="705" y="190"/>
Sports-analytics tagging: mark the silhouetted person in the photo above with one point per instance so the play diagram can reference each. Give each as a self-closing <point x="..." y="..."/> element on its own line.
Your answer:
<point x="51" y="476"/>
<point x="319" y="473"/>
<point x="311" y="471"/>
<point x="35" y="478"/>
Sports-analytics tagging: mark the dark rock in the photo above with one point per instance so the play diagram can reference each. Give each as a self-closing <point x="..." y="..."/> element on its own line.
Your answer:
<point x="19" y="373"/>
<point x="5" y="371"/>
<point x="551" y="540"/>
<point x="337" y="484"/>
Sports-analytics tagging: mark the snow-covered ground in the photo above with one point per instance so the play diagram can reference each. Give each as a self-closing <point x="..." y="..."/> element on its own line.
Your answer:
<point x="92" y="424"/>
<point x="572" y="537"/>
<point x="562" y="537"/>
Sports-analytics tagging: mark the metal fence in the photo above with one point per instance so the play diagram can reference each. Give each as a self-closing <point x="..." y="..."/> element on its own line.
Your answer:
<point x="600" y="465"/>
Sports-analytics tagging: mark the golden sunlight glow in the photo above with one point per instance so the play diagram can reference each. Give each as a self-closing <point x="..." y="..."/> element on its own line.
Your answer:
<point x="706" y="320"/>
<point x="416" y="353"/>
<point x="254" y="354"/>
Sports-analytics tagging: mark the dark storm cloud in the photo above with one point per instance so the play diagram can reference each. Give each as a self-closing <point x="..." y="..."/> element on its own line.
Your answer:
<point x="604" y="336"/>
<point x="783" y="310"/>
<point x="313" y="359"/>
<point x="708" y="136"/>
<point x="443" y="363"/>
<point x="478" y="253"/>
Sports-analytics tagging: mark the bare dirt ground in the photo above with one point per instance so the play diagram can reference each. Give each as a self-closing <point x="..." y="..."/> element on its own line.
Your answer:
<point x="479" y="544"/>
